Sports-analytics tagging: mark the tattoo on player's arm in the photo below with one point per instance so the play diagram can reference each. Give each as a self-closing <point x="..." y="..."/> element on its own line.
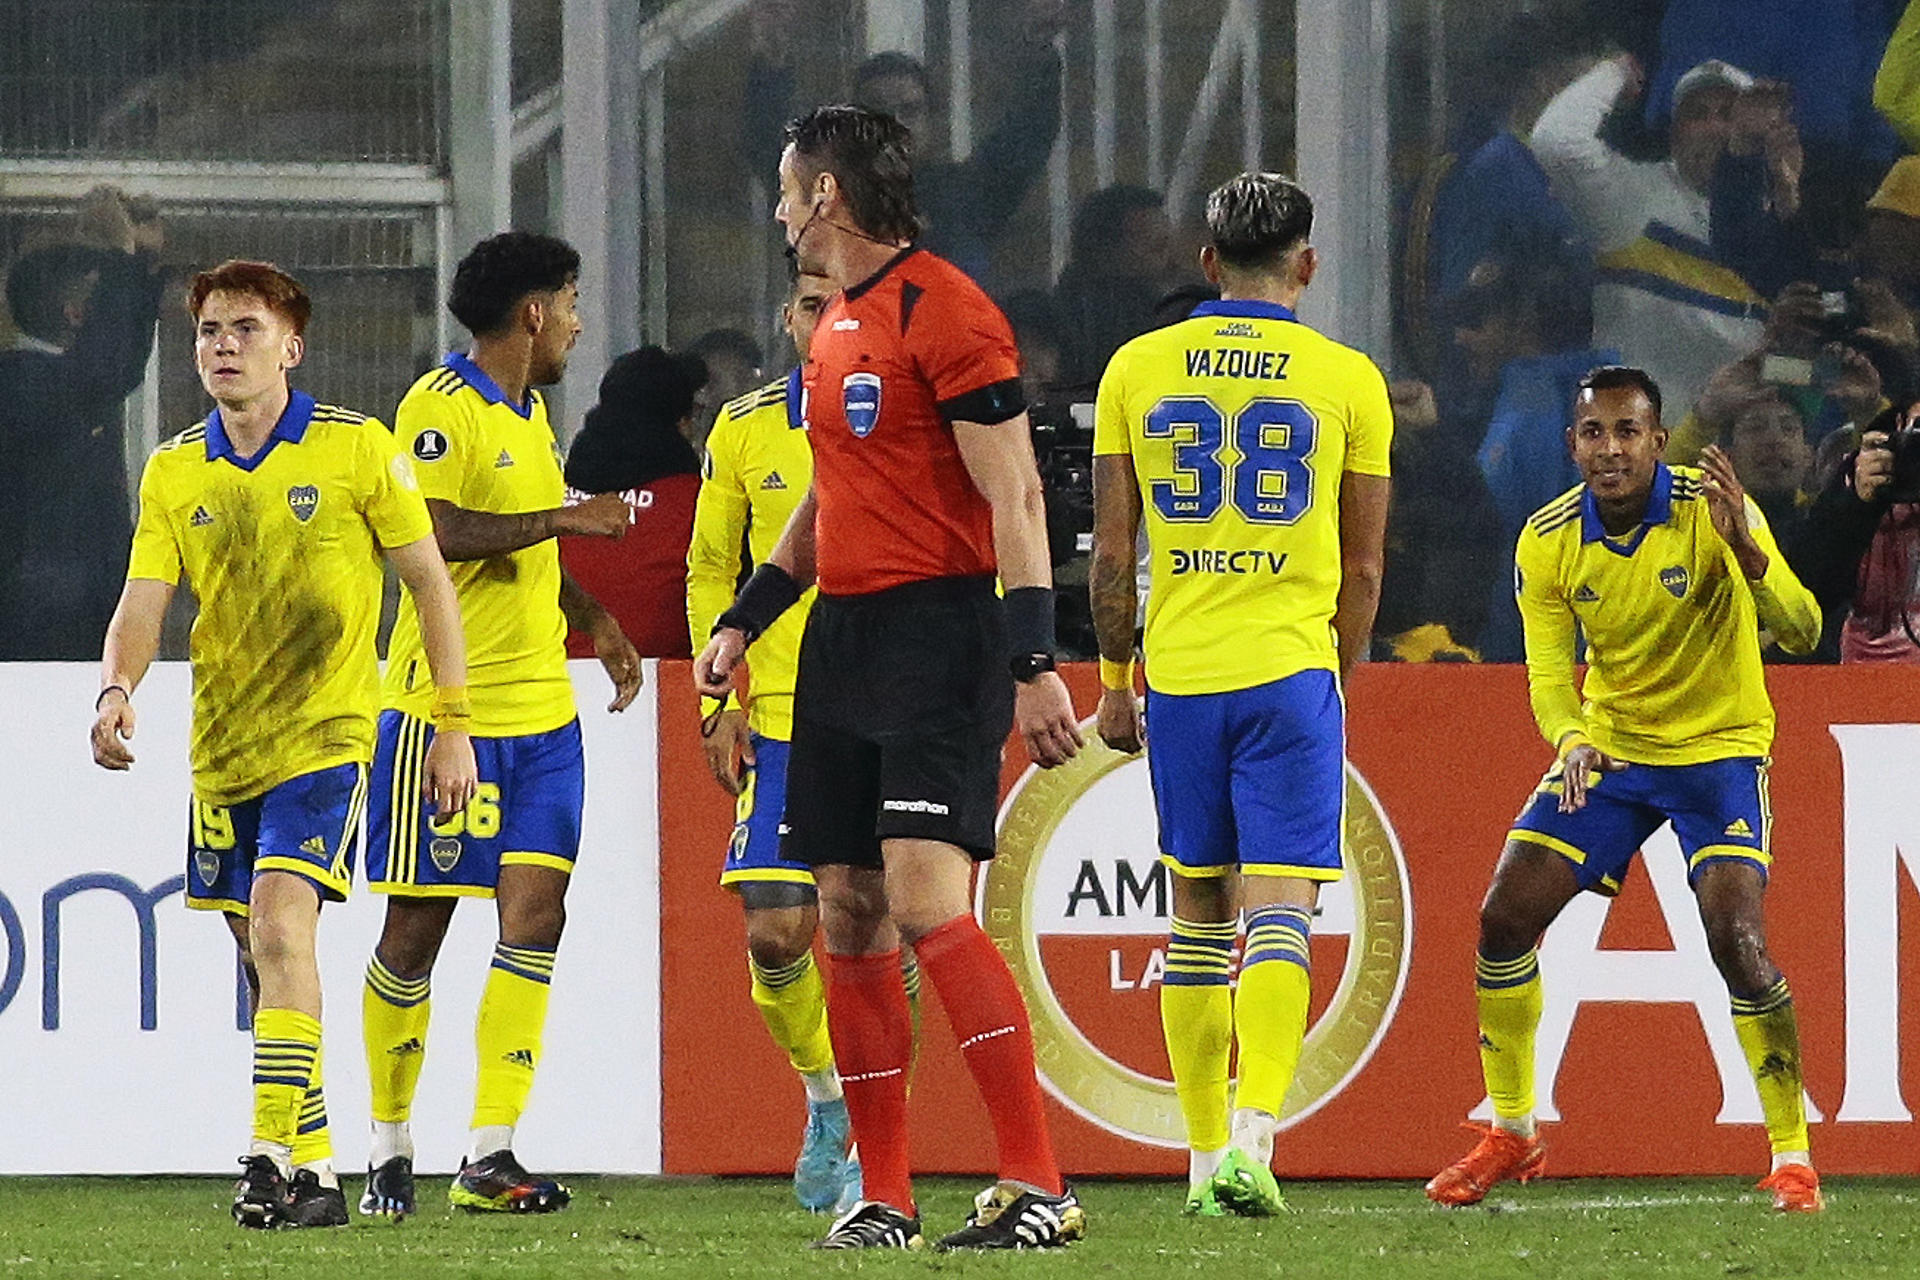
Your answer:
<point x="1113" y="595"/>
<point x="477" y="535"/>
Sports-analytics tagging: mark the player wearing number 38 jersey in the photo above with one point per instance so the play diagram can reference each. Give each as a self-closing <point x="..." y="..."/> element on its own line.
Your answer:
<point x="1256" y="450"/>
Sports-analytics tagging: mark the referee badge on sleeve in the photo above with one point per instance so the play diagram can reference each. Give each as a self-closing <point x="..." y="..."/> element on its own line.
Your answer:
<point x="860" y="397"/>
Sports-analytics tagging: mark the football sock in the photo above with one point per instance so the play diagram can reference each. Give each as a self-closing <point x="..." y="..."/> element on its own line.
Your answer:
<point x="390" y="1138"/>
<point x="1196" y="1014"/>
<point x="793" y="1003"/>
<point x="393" y="1023"/>
<point x="1202" y="1165"/>
<point x="312" y="1145"/>
<point x="990" y="1021"/>
<point x="1269" y="1020"/>
<point x="286" y="1054"/>
<point x="506" y="1034"/>
<point x="1770" y="1039"/>
<point x="872" y="1041"/>
<point x="1508" y="994"/>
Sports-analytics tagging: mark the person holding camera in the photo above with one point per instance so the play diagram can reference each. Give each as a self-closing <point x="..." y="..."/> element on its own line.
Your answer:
<point x="1860" y="548"/>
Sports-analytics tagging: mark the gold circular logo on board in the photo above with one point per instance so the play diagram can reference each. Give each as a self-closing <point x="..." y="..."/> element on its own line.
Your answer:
<point x="1087" y="1079"/>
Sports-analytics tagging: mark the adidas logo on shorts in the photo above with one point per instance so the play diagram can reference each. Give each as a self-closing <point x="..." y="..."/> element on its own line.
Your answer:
<point x="315" y="845"/>
<point x="1739" y="827"/>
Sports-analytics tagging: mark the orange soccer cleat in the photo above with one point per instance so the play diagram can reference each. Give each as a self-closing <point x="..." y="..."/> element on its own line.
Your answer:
<point x="1796" y="1189"/>
<point x="1498" y="1156"/>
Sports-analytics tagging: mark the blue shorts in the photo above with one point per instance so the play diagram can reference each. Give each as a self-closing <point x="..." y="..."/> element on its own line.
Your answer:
<point x="1253" y="778"/>
<point x="310" y="825"/>
<point x="753" y="854"/>
<point x="1720" y="810"/>
<point x="526" y="811"/>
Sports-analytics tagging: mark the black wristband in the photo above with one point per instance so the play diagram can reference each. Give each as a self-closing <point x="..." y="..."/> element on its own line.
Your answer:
<point x="1030" y="622"/>
<point x="770" y="592"/>
<point x="109" y="689"/>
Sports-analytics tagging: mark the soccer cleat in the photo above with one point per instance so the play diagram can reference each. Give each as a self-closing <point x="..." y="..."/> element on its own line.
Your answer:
<point x="311" y="1205"/>
<point x="1007" y="1217"/>
<point x="1499" y="1155"/>
<point x="1202" y="1202"/>
<point x="820" y="1172"/>
<point x="1796" y="1189"/>
<point x="851" y="1185"/>
<point x="389" y="1192"/>
<point x="496" y="1183"/>
<point x="1246" y="1187"/>
<point x="260" y="1198"/>
<point x="871" y="1225"/>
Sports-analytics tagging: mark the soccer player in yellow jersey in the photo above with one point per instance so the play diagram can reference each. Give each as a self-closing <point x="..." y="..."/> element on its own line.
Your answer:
<point x="1672" y="576"/>
<point x="278" y="511"/>
<point x="478" y="434"/>
<point x="1257" y="451"/>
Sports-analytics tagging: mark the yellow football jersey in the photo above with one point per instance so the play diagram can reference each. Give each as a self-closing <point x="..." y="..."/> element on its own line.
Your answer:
<point x="1241" y="422"/>
<point x="282" y="551"/>
<point x="759" y="464"/>
<point x="475" y="449"/>
<point x="1672" y="626"/>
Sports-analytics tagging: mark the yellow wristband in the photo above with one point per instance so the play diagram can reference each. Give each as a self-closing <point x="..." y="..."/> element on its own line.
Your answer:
<point x="452" y="709"/>
<point x="1117" y="676"/>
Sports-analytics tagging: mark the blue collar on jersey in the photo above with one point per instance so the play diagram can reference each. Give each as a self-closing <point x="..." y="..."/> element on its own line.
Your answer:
<point x="1244" y="309"/>
<point x="1659" y="511"/>
<point x="291" y="428"/>
<point x="794" y="392"/>
<point x="489" y="390"/>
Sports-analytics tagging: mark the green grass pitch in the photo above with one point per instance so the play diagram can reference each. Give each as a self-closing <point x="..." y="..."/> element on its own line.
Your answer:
<point x="74" y="1228"/>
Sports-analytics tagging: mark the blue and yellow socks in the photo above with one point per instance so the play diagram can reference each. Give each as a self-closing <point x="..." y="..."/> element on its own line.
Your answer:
<point x="1270" y="1021"/>
<point x="1507" y="992"/>
<point x="507" y="1034"/>
<point x="1770" y="1040"/>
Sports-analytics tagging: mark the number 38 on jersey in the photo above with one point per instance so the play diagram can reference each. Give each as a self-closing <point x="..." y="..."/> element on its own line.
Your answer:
<point x="1254" y="460"/>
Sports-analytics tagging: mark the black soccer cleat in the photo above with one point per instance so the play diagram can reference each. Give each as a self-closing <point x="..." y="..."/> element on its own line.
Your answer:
<point x="497" y="1183"/>
<point x="872" y="1225"/>
<point x="260" y="1199"/>
<point x="1007" y="1217"/>
<point x="312" y="1205"/>
<point x="389" y="1192"/>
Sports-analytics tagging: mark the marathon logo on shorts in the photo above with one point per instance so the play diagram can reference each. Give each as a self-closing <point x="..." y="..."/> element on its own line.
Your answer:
<point x="305" y="500"/>
<point x="1674" y="579"/>
<point x="915" y="806"/>
<point x="860" y="397"/>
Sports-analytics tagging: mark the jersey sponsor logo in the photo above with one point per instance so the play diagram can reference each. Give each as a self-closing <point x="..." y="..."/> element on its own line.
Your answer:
<point x="201" y="518"/>
<point x="315" y="845"/>
<point x="1237" y="362"/>
<point x="504" y="460"/>
<point x="206" y="864"/>
<point x="1236" y="329"/>
<point x="1080" y="905"/>
<point x="915" y="806"/>
<point x="1215" y="560"/>
<point x="305" y="500"/>
<point x="774" y="480"/>
<point x="445" y="852"/>
<point x="430" y="445"/>
<point x="860" y="398"/>
<point x="1586" y="595"/>
<point x="1674" y="579"/>
<point x="1739" y="827"/>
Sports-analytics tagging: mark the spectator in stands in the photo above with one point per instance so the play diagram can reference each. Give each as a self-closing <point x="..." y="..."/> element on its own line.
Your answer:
<point x="1120" y="263"/>
<point x="734" y="366"/>
<point x="965" y="204"/>
<point x="85" y="317"/>
<point x="637" y="442"/>
<point x="1036" y="332"/>
<point x="1860" y="551"/>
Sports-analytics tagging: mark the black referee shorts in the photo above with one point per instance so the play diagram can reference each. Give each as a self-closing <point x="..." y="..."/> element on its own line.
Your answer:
<point x="900" y="711"/>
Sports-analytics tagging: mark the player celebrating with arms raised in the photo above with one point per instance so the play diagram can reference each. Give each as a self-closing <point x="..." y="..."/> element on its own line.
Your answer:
<point x="924" y="489"/>
<point x="277" y="510"/>
<point x="1257" y="450"/>
<point x="478" y="432"/>
<point x="1671" y="574"/>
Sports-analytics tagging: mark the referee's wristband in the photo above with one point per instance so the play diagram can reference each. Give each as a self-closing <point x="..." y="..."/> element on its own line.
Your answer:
<point x="770" y="592"/>
<point x="1030" y="620"/>
<point x="1116" y="676"/>
<point x="452" y="709"/>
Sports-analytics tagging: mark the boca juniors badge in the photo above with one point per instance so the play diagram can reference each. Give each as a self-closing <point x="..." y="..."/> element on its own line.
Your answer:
<point x="860" y="397"/>
<point x="305" y="500"/>
<point x="1674" y="579"/>
<point x="445" y="852"/>
<point x="207" y="864"/>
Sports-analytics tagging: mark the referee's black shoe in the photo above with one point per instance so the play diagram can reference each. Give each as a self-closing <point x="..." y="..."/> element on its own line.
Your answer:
<point x="872" y="1225"/>
<point x="1010" y="1217"/>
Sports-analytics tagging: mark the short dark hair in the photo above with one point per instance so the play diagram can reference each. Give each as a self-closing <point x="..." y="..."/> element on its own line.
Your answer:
<point x="38" y="285"/>
<point x="728" y="342"/>
<point x="1619" y="377"/>
<point x="870" y="154"/>
<point x="501" y="270"/>
<point x="283" y="294"/>
<point x="1101" y="220"/>
<point x="1256" y="219"/>
<point x="891" y="62"/>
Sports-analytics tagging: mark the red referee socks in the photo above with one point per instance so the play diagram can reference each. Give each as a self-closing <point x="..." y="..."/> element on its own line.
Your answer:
<point x="872" y="1031"/>
<point x="990" y="1020"/>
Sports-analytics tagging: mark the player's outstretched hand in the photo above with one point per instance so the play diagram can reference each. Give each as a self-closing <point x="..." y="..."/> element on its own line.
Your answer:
<point x="112" y="730"/>
<point x="452" y="776"/>
<point x="1577" y="771"/>
<point x="622" y="661"/>
<point x="604" y="515"/>
<point x="1727" y="505"/>
<point x="1043" y="712"/>
<point x="729" y="748"/>
<point x="713" y="670"/>
<point x="1118" y="721"/>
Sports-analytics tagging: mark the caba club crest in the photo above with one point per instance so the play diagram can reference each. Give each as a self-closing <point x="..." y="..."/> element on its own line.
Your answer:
<point x="860" y="397"/>
<point x="1674" y="579"/>
<point x="305" y="500"/>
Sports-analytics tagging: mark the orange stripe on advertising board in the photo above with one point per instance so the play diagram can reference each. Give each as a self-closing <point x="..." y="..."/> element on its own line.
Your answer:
<point x="1639" y="1069"/>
